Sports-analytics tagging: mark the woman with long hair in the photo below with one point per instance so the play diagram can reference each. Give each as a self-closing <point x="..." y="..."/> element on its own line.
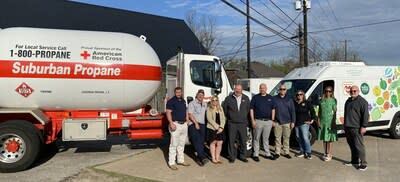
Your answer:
<point x="215" y="129"/>
<point x="327" y="122"/>
<point x="305" y="116"/>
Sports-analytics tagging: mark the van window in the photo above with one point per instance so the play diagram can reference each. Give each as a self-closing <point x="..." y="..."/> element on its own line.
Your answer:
<point x="293" y="85"/>
<point x="318" y="92"/>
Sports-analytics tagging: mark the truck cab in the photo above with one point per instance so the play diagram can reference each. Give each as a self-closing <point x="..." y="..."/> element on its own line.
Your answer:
<point x="193" y="72"/>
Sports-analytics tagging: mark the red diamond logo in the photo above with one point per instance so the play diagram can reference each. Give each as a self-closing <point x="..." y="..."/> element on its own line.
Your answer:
<point x="24" y="89"/>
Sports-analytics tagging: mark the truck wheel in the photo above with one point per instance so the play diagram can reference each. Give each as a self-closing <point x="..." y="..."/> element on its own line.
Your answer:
<point x="394" y="130"/>
<point x="19" y="145"/>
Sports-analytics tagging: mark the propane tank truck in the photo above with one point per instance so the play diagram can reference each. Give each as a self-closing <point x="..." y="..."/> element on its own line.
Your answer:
<point x="81" y="85"/>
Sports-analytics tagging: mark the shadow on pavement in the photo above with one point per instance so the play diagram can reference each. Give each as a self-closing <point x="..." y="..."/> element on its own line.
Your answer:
<point x="50" y="150"/>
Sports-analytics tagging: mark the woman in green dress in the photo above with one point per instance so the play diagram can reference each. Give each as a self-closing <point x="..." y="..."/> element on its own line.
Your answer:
<point x="327" y="122"/>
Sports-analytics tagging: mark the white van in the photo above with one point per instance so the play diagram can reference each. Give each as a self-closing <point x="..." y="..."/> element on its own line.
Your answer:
<point x="252" y="84"/>
<point x="379" y="85"/>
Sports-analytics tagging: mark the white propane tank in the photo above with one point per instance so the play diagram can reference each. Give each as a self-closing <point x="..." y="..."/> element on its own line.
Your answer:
<point x="76" y="70"/>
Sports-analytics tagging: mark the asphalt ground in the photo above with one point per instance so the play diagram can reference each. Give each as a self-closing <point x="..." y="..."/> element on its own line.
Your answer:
<point x="382" y="156"/>
<point x="63" y="160"/>
<point x="122" y="158"/>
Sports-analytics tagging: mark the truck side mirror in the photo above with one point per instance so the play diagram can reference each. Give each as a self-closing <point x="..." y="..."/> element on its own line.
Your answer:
<point x="217" y="74"/>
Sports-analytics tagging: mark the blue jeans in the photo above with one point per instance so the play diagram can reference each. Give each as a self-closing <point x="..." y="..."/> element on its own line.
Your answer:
<point x="302" y="133"/>
<point x="197" y="137"/>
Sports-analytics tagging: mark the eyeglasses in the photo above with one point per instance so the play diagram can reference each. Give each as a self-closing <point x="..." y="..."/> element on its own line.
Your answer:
<point x="328" y="91"/>
<point x="299" y="94"/>
<point x="353" y="91"/>
<point x="282" y="89"/>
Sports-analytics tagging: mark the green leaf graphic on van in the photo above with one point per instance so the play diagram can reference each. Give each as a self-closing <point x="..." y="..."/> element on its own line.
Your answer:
<point x="395" y="84"/>
<point x="383" y="84"/>
<point x="394" y="100"/>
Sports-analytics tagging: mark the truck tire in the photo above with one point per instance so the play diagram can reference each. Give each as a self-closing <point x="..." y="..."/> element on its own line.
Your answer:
<point x="19" y="145"/>
<point x="394" y="129"/>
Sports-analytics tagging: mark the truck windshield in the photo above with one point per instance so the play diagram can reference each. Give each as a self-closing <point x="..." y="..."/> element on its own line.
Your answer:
<point x="203" y="73"/>
<point x="293" y="85"/>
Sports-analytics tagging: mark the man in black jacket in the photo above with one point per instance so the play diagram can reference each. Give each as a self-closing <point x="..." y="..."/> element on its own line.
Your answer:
<point x="236" y="107"/>
<point x="355" y="122"/>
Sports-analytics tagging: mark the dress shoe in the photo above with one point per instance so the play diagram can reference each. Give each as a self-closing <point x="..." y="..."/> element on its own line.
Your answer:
<point x="173" y="167"/>
<point x="286" y="155"/>
<point x="183" y="164"/>
<point x="270" y="157"/>
<point x="243" y="160"/>
<point x="200" y="163"/>
<point x="256" y="159"/>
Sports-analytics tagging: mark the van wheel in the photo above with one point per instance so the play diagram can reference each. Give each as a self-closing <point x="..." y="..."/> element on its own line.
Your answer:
<point x="394" y="130"/>
<point x="19" y="145"/>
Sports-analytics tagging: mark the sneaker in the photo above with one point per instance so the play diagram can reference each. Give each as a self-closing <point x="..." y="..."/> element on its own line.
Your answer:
<point x="349" y="164"/>
<point x="256" y="159"/>
<point x="299" y="155"/>
<point x="327" y="157"/>
<point x="173" y="167"/>
<point x="286" y="155"/>
<point x="308" y="156"/>
<point x="204" y="161"/>
<point x="231" y="160"/>
<point x="184" y="164"/>
<point x="362" y="167"/>
<point x="276" y="156"/>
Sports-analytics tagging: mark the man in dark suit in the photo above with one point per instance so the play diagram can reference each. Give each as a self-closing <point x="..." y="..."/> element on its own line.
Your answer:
<point x="236" y="107"/>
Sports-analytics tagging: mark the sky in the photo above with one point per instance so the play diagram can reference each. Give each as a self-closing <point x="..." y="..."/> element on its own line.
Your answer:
<point x="375" y="44"/>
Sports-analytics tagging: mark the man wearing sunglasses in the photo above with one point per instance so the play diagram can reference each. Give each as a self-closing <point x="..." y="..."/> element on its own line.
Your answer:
<point x="356" y="118"/>
<point x="285" y="116"/>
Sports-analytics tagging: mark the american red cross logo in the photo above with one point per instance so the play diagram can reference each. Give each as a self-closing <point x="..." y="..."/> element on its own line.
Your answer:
<point x="85" y="55"/>
<point x="24" y="89"/>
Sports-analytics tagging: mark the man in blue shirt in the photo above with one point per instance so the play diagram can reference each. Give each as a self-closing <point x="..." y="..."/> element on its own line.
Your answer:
<point x="197" y="130"/>
<point x="262" y="113"/>
<point x="177" y="117"/>
<point x="285" y="118"/>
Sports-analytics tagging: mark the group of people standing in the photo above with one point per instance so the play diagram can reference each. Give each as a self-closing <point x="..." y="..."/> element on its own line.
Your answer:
<point x="214" y="124"/>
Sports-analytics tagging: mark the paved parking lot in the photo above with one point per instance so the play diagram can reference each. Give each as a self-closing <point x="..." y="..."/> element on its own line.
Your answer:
<point x="382" y="153"/>
<point x="65" y="160"/>
<point x="149" y="162"/>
